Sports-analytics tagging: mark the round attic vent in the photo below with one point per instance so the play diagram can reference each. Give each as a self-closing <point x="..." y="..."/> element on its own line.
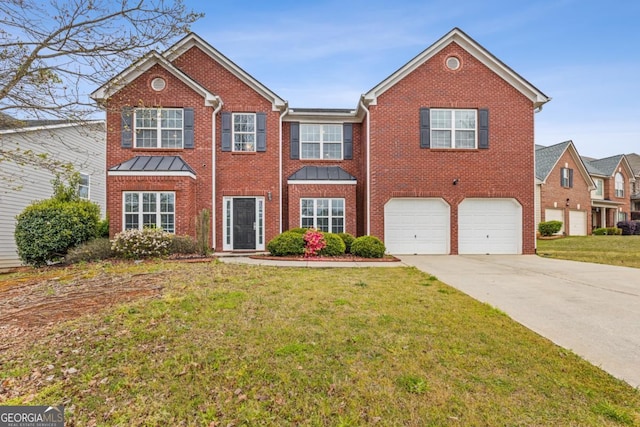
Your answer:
<point x="158" y="84"/>
<point x="453" y="63"/>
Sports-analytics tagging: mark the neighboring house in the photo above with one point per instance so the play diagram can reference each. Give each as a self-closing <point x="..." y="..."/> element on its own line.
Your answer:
<point x="611" y="199"/>
<point x="81" y="144"/>
<point x="437" y="158"/>
<point x="634" y="162"/>
<point x="563" y="186"/>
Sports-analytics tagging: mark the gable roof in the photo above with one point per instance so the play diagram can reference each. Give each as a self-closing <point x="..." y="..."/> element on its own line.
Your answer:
<point x="634" y="162"/>
<point x="548" y="157"/>
<point x="193" y="40"/>
<point x="474" y="48"/>
<point x="608" y="166"/>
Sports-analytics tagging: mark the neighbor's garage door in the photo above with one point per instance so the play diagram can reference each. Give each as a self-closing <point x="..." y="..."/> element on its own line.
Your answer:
<point x="577" y="223"/>
<point x="489" y="226"/>
<point x="416" y="226"/>
<point x="555" y="215"/>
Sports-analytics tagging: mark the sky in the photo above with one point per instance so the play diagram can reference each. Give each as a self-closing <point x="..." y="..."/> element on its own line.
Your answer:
<point x="584" y="54"/>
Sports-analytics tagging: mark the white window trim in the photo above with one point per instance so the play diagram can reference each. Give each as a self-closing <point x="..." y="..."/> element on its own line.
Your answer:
<point x="88" y="186"/>
<point x="322" y="142"/>
<point x="453" y="129"/>
<point x="227" y="222"/>
<point x="599" y="185"/>
<point x="234" y="133"/>
<point x="619" y="185"/>
<point x="141" y="213"/>
<point x="159" y="129"/>
<point x="566" y="177"/>
<point x="315" y="218"/>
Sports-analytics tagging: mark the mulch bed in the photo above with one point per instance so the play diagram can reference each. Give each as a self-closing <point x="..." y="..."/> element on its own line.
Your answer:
<point x="343" y="258"/>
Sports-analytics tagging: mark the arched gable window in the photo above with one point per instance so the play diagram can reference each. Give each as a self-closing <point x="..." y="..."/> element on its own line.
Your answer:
<point x="619" y="185"/>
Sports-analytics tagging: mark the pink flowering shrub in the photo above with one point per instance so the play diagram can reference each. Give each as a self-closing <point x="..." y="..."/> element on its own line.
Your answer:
<point x="138" y="244"/>
<point x="314" y="243"/>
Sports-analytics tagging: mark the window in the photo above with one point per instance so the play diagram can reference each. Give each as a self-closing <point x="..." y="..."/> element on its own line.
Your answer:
<point x="244" y="132"/>
<point x="83" y="186"/>
<point x="622" y="216"/>
<point x="324" y="214"/>
<point x="321" y="141"/>
<point x="149" y="210"/>
<point x="566" y="177"/>
<point x="619" y="185"/>
<point x="453" y="128"/>
<point x="599" y="187"/>
<point x="158" y="128"/>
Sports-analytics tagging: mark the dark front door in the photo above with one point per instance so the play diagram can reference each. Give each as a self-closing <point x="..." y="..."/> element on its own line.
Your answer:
<point x="244" y="223"/>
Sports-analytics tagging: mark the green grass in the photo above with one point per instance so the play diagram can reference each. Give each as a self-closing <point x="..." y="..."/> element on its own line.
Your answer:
<point x="266" y="346"/>
<point x="613" y="250"/>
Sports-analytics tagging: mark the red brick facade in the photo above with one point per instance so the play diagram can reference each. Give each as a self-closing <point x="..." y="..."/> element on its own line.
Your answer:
<point x="387" y="160"/>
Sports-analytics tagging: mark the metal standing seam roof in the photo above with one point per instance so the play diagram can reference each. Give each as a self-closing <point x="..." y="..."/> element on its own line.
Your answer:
<point x="322" y="173"/>
<point x="153" y="164"/>
<point x="547" y="157"/>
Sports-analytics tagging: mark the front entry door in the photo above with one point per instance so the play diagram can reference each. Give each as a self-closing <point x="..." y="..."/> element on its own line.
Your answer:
<point x="244" y="223"/>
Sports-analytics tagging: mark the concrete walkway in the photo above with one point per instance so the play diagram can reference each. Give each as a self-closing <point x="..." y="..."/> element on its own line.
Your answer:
<point x="591" y="309"/>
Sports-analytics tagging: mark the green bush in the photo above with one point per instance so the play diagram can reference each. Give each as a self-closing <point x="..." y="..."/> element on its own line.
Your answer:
<point x="103" y="228"/>
<point x="183" y="245"/>
<point x="608" y="231"/>
<point x="145" y="243"/>
<point x="348" y="240"/>
<point x="300" y="230"/>
<point x="368" y="247"/>
<point x="93" y="250"/>
<point x="600" y="232"/>
<point x="335" y="245"/>
<point x="46" y="230"/>
<point x="287" y="243"/>
<point x="549" y="228"/>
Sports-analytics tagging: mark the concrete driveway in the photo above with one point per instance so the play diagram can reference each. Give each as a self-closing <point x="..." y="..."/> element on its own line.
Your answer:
<point x="591" y="309"/>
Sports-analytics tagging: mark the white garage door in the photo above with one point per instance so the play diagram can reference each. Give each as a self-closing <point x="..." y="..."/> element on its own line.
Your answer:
<point x="555" y="215"/>
<point x="416" y="226"/>
<point x="489" y="226"/>
<point x="577" y="223"/>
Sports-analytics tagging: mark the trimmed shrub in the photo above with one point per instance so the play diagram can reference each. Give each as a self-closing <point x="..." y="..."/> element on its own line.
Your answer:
<point x="93" y="250"/>
<point x="368" y="247"/>
<point x="183" y="245"/>
<point x="608" y="231"/>
<point x="334" y="245"/>
<point x="348" y="240"/>
<point x="138" y="244"/>
<point x="287" y="243"/>
<point x="103" y="228"/>
<point x="599" y="232"/>
<point x="299" y="230"/>
<point x="46" y="230"/>
<point x="549" y="228"/>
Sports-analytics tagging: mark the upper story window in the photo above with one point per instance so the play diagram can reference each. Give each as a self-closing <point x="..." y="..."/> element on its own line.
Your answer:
<point x="321" y="141"/>
<point x="244" y="132"/>
<point x="619" y="185"/>
<point x="83" y="186"/>
<point x="453" y="128"/>
<point x="566" y="177"/>
<point x="158" y="128"/>
<point x="599" y="191"/>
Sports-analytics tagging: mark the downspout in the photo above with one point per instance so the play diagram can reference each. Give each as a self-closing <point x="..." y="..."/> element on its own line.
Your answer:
<point x="286" y="111"/>
<point x="368" y="160"/>
<point x="213" y="170"/>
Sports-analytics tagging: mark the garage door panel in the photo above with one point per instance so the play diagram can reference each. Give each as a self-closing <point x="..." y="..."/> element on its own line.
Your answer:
<point x="489" y="226"/>
<point x="417" y="226"/>
<point x="577" y="223"/>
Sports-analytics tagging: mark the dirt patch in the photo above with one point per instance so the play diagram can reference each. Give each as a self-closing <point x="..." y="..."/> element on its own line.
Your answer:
<point x="29" y="307"/>
<point x="342" y="258"/>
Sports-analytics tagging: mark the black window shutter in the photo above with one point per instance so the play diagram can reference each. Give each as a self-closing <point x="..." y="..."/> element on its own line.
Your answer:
<point x="570" y="178"/>
<point x="425" y="128"/>
<point x="226" y="132"/>
<point x="562" y="177"/>
<point x="294" y="146"/>
<point x="261" y="132"/>
<point x="483" y="129"/>
<point x="347" y="135"/>
<point x="127" y="128"/>
<point x="188" y="128"/>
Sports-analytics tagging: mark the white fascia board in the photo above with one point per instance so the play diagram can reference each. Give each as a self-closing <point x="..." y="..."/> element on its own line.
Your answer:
<point x="152" y="173"/>
<point x="191" y="40"/>
<point x="538" y="98"/>
<point x="50" y="127"/>
<point x="321" y="182"/>
<point x="142" y="66"/>
<point x="321" y="117"/>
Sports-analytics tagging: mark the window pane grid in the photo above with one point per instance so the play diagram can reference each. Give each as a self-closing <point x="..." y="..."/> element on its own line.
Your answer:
<point x="323" y="214"/>
<point x="321" y="141"/>
<point x="155" y="210"/>
<point x="453" y="128"/>
<point x="244" y="132"/>
<point x="159" y="128"/>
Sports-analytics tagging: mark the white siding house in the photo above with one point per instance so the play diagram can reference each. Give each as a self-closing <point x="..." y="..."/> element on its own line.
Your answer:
<point x="82" y="144"/>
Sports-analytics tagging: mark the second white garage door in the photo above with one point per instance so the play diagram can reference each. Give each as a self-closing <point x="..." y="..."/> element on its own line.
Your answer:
<point x="577" y="223"/>
<point x="489" y="226"/>
<point x="416" y="226"/>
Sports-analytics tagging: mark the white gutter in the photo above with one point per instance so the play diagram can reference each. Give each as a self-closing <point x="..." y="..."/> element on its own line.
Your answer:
<point x="280" y="169"/>
<point x="213" y="170"/>
<point x="368" y="157"/>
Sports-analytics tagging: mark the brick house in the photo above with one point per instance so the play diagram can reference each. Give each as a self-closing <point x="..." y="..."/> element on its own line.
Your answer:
<point x="437" y="158"/>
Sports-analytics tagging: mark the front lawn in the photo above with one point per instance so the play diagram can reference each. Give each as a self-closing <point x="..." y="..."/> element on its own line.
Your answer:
<point x="614" y="250"/>
<point x="244" y="345"/>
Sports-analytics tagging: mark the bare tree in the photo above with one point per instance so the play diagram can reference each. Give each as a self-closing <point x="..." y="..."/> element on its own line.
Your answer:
<point x="54" y="53"/>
